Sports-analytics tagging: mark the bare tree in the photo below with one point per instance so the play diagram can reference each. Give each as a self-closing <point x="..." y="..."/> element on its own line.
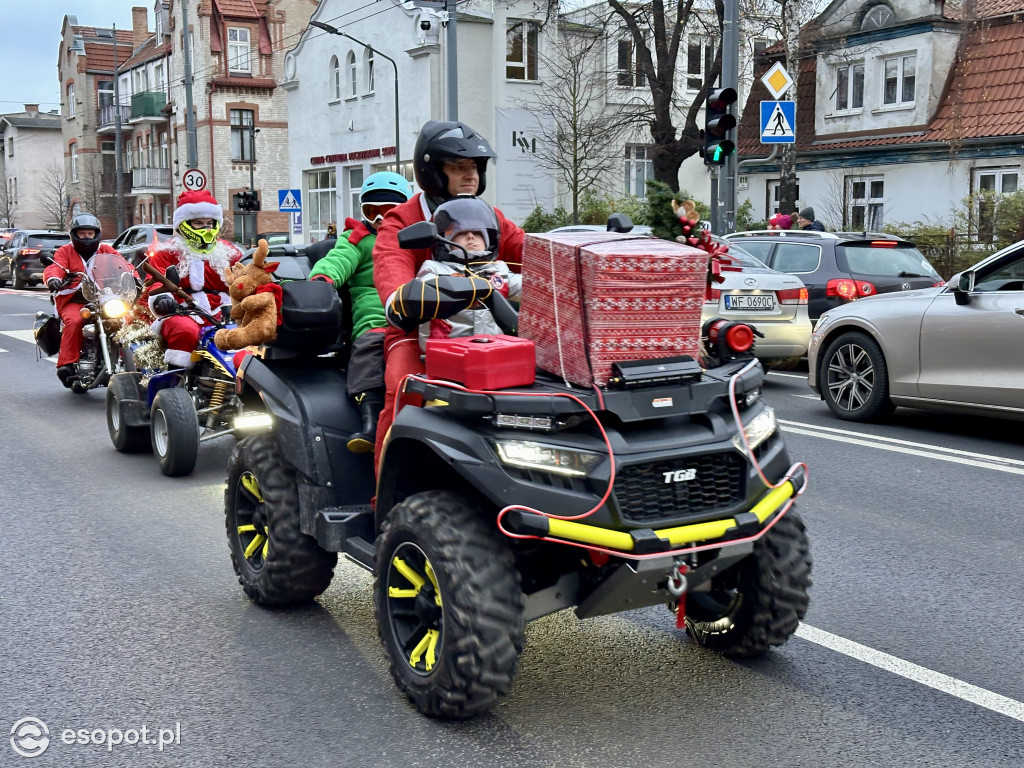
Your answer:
<point x="90" y="188"/>
<point x="6" y="203"/>
<point x="54" y="199"/>
<point x="572" y="108"/>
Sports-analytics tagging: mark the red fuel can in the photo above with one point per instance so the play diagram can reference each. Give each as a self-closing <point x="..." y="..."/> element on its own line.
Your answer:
<point x="483" y="362"/>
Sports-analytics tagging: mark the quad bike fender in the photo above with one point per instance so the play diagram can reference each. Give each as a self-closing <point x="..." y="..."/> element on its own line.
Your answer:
<point x="134" y="411"/>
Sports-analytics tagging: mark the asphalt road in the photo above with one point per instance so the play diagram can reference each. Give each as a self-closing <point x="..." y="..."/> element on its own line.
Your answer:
<point x="119" y="609"/>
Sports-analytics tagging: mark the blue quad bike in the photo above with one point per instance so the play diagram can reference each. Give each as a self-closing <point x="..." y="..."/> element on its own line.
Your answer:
<point x="689" y="521"/>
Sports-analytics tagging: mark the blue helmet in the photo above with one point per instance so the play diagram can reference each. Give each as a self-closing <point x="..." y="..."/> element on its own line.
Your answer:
<point x="381" y="191"/>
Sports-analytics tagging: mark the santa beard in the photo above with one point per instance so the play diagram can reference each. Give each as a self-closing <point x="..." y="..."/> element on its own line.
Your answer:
<point x="218" y="258"/>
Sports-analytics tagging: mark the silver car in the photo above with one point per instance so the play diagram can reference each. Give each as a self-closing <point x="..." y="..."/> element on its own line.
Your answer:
<point x="957" y="347"/>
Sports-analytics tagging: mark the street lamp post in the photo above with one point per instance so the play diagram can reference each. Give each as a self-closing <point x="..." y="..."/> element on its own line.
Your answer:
<point x="253" y="130"/>
<point x="336" y="31"/>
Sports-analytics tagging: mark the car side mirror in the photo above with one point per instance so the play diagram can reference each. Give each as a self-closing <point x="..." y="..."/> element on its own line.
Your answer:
<point x="46" y="259"/>
<point x="422" y="234"/>
<point x="619" y="222"/>
<point x="963" y="287"/>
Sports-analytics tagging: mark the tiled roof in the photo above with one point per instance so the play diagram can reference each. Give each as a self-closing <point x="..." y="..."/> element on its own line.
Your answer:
<point x="983" y="9"/>
<point x="985" y="97"/>
<point x="241" y="9"/>
<point x="89" y="33"/>
<point x="100" y="56"/>
<point x="148" y="52"/>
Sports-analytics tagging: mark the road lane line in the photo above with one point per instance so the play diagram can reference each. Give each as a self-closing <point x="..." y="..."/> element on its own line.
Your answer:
<point x="28" y="335"/>
<point x="806" y="397"/>
<point x="897" y="441"/>
<point x="995" y="702"/>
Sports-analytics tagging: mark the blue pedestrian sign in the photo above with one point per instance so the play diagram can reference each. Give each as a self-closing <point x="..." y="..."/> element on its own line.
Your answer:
<point x="289" y="200"/>
<point x="778" y="122"/>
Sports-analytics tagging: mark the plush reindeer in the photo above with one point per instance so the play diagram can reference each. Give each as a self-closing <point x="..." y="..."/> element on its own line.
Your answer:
<point x="255" y="303"/>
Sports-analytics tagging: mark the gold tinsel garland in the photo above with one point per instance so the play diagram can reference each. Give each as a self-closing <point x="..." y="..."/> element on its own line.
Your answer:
<point x="149" y="352"/>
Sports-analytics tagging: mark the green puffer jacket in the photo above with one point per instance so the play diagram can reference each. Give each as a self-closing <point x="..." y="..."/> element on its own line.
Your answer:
<point x="351" y="262"/>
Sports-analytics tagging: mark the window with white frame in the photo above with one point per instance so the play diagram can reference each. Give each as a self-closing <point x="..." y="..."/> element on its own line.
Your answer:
<point x="368" y="66"/>
<point x="158" y="76"/>
<point x="73" y="161"/>
<point x="774" y="198"/>
<point x="639" y="168"/>
<point x="336" y="77"/>
<point x="700" y="54"/>
<point x="107" y="156"/>
<point x="141" y="80"/>
<point x="241" y="139"/>
<point x="849" y="87"/>
<point x="629" y="73"/>
<point x="238" y="50"/>
<point x="758" y="44"/>
<point x="71" y="99"/>
<point x="165" y="155"/>
<point x="899" y="80"/>
<point x="350" y="66"/>
<point x="991" y="185"/>
<point x="321" y="202"/>
<point x="124" y="90"/>
<point x="864" y="198"/>
<point x="521" y="39"/>
<point x="105" y="93"/>
<point x="355" y="185"/>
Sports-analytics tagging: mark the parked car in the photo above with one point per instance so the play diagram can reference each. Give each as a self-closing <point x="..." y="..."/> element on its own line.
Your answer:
<point x="293" y="264"/>
<point x="135" y="242"/>
<point x="6" y="274"/>
<point x="954" y="347"/>
<point x="839" y="267"/>
<point x="25" y="249"/>
<point x="272" y="238"/>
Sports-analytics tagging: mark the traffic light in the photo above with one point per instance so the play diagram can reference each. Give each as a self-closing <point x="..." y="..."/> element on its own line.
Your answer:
<point x="718" y="123"/>
<point x="247" y="201"/>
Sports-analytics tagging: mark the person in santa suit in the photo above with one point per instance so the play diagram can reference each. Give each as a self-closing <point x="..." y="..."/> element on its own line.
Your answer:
<point x="200" y="258"/>
<point x="77" y="256"/>
<point x="450" y="160"/>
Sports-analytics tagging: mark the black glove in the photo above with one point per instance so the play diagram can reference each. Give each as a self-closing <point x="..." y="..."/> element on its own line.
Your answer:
<point x="438" y="296"/>
<point x="163" y="304"/>
<point x="54" y="284"/>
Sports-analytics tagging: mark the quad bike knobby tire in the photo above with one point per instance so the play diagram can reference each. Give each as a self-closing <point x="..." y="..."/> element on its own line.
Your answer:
<point x="760" y="602"/>
<point x="126" y="439"/>
<point x="854" y="379"/>
<point x="449" y="605"/>
<point x="277" y="564"/>
<point x="174" y="431"/>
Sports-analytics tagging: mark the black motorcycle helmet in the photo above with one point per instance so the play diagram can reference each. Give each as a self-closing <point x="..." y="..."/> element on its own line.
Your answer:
<point x="445" y="140"/>
<point x="86" y="246"/>
<point x="462" y="214"/>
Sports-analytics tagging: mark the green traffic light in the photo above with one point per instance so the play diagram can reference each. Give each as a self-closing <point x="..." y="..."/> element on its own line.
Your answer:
<point x="718" y="155"/>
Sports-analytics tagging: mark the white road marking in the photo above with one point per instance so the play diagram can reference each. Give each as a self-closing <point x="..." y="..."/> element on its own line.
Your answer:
<point x="807" y="397"/>
<point x="995" y="702"/>
<point x="969" y="458"/>
<point x="28" y="335"/>
<point x="789" y="375"/>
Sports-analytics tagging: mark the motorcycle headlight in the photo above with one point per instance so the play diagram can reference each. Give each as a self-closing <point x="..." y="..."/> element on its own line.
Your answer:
<point x="114" y="308"/>
<point x="757" y="430"/>
<point x="547" y="458"/>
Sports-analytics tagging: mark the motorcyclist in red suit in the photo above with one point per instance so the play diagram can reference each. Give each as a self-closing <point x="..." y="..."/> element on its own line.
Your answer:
<point x="450" y="159"/>
<point x="200" y="258"/>
<point x="76" y="256"/>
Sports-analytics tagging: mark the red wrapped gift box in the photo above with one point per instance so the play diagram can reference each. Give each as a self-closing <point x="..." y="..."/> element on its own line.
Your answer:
<point x="482" y="362"/>
<point x="592" y="299"/>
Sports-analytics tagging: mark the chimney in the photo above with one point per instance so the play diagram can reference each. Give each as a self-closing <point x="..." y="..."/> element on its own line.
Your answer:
<point x="32" y="109"/>
<point x="140" y="26"/>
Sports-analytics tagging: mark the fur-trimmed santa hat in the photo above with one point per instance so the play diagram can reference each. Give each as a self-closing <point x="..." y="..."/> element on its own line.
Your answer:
<point x="197" y="205"/>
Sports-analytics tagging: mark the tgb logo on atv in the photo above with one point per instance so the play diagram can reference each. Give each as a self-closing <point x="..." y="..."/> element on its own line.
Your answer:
<point x="679" y="475"/>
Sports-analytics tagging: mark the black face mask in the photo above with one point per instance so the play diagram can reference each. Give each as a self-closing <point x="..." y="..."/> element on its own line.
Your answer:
<point x="86" y="248"/>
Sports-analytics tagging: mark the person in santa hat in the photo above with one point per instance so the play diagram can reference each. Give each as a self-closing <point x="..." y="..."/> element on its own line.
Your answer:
<point x="200" y="258"/>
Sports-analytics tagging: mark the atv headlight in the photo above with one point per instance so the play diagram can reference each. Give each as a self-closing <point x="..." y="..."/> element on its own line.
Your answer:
<point x="757" y="430"/>
<point x="114" y="308"/>
<point x="253" y="421"/>
<point x="547" y="458"/>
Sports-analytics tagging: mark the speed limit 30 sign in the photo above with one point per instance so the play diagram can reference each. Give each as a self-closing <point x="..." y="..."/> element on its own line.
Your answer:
<point x="194" y="179"/>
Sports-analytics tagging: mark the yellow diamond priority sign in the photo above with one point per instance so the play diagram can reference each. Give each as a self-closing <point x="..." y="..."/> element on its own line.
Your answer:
<point x="777" y="80"/>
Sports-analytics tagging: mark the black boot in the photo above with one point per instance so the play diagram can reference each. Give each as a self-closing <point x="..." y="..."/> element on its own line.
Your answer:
<point x="369" y="405"/>
<point x="66" y="374"/>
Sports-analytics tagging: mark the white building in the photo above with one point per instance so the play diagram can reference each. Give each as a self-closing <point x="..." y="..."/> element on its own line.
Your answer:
<point x="341" y="99"/>
<point x="31" y="168"/>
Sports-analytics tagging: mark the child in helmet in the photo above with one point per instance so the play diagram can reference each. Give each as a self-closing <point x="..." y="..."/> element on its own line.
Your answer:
<point x="350" y="262"/>
<point x="471" y="227"/>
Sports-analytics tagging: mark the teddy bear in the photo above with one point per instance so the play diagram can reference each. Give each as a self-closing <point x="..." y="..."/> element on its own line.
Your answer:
<point x="255" y="302"/>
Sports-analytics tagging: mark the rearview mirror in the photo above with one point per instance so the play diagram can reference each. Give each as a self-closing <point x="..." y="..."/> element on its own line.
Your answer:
<point x="619" y="222"/>
<point x="46" y="259"/>
<point x="422" y="234"/>
<point x="963" y="288"/>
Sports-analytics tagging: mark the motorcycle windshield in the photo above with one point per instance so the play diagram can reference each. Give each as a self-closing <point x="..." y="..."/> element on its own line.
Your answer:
<point x="111" y="277"/>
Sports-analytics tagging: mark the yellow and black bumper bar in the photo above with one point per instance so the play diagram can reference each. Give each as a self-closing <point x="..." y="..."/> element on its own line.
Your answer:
<point x="646" y="541"/>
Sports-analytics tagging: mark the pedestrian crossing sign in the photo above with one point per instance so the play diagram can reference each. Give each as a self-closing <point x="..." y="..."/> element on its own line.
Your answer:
<point x="778" y="122"/>
<point x="289" y="200"/>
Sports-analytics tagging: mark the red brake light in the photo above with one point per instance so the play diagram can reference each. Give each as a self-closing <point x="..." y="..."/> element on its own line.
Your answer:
<point x="712" y="295"/>
<point x="940" y="284"/>
<point x="884" y="243"/>
<point x="29" y="251"/>
<point x="864" y="288"/>
<point x="842" y="287"/>
<point x="792" y="296"/>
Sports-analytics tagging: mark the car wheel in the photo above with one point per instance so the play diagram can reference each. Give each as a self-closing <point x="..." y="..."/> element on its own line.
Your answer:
<point x="174" y="430"/>
<point x="19" y="283"/>
<point x="854" y="378"/>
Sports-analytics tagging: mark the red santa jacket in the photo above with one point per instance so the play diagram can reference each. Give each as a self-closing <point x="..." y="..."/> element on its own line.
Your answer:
<point x="394" y="266"/>
<point x="71" y="260"/>
<point x="201" y="275"/>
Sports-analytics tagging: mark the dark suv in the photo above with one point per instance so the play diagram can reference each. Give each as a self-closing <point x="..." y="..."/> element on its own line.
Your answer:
<point x="135" y="243"/>
<point x="838" y="267"/>
<point x="25" y="248"/>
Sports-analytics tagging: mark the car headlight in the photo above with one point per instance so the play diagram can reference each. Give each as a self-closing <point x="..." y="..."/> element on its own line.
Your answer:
<point x="757" y="430"/>
<point x="547" y="458"/>
<point x="114" y="308"/>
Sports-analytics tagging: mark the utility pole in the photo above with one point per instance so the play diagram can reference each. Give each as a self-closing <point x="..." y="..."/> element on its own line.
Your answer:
<point x="452" y="64"/>
<point x="190" y="118"/>
<point x="253" y="130"/>
<point x="730" y="79"/>
<point x="118" y="141"/>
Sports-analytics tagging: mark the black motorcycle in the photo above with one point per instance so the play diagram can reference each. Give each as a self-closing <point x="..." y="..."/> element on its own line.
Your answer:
<point x="107" y="290"/>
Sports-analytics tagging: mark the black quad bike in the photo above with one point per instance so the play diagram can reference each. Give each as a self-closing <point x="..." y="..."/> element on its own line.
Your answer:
<point x="691" y="510"/>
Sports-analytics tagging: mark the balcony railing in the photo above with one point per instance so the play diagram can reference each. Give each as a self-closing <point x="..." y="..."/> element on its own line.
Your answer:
<point x="151" y="178"/>
<point x="108" y="115"/>
<point x="148" y="104"/>
<point x="108" y="183"/>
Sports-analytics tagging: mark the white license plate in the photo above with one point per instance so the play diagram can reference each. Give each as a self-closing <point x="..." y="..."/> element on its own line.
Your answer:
<point x="755" y="303"/>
